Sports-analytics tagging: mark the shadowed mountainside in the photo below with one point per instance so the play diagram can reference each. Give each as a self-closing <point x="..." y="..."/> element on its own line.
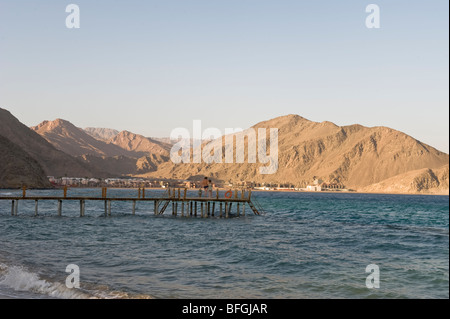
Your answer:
<point x="53" y="161"/>
<point x="17" y="168"/>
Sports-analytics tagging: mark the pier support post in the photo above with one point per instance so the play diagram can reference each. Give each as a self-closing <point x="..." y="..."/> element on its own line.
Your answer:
<point x="238" y="209"/>
<point x="13" y="203"/>
<point x="106" y="208"/>
<point x="227" y="210"/>
<point x="220" y="211"/>
<point x="182" y="209"/>
<point x="16" y="208"/>
<point x="202" y="210"/>
<point x="59" y="207"/>
<point x="155" y="203"/>
<point x="133" y="211"/>
<point x="209" y="209"/>
<point x="190" y="212"/>
<point x="213" y="207"/>
<point x="195" y="212"/>
<point x="176" y="207"/>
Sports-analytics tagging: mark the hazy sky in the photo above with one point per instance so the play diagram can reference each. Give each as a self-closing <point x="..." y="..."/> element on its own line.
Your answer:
<point x="152" y="66"/>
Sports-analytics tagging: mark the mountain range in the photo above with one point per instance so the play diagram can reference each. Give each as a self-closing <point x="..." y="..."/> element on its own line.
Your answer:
<point x="353" y="155"/>
<point x="370" y="159"/>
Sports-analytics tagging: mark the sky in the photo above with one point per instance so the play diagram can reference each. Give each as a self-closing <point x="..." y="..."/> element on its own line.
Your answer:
<point x="152" y="66"/>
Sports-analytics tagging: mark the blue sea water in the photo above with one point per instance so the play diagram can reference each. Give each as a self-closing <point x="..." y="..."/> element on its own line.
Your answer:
<point x="305" y="245"/>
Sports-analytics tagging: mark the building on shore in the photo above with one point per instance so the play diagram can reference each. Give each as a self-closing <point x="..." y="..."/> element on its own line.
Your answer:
<point x="314" y="188"/>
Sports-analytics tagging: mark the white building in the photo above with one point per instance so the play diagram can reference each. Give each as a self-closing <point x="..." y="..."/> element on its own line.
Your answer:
<point x="314" y="188"/>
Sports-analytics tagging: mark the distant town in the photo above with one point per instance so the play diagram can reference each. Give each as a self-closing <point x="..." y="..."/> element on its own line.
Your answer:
<point x="317" y="185"/>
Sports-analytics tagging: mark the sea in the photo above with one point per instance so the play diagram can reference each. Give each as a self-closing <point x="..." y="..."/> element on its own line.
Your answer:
<point x="302" y="246"/>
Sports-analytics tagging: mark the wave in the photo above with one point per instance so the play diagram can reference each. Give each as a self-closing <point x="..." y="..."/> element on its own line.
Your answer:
<point x="23" y="281"/>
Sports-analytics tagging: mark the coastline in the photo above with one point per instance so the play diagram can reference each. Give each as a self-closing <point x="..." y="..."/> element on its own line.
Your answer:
<point x="253" y="190"/>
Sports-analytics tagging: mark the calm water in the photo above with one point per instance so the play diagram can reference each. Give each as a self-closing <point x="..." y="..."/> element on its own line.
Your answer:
<point x="307" y="245"/>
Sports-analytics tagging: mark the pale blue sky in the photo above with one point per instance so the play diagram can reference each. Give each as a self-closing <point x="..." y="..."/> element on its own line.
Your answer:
<point x="151" y="66"/>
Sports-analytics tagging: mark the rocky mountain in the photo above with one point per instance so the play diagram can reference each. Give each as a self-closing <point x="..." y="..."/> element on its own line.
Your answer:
<point x="164" y="140"/>
<point x="362" y="158"/>
<point x="102" y="134"/>
<point x="53" y="161"/>
<point x="116" y="166"/>
<point x="75" y="141"/>
<point x="125" y="154"/>
<point x="354" y="155"/>
<point x="18" y="168"/>
<point x="140" y="144"/>
<point x="424" y="181"/>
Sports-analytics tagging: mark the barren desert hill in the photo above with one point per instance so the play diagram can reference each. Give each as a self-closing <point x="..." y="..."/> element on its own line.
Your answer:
<point x="18" y="168"/>
<point x="354" y="155"/>
<point x="140" y="144"/>
<point x="117" y="166"/>
<point x="422" y="181"/>
<point x="102" y="134"/>
<point x="125" y="153"/>
<point x="53" y="161"/>
<point x="75" y="141"/>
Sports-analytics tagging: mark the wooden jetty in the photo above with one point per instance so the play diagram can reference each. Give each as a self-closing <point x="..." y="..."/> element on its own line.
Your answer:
<point x="176" y="197"/>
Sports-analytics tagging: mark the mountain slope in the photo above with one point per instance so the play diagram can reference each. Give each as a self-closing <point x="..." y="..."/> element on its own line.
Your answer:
<point x="18" y="169"/>
<point x="53" y="161"/>
<point x="74" y="141"/>
<point x="354" y="155"/>
<point x="102" y="134"/>
<point x="139" y="144"/>
<point x="425" y="181"/>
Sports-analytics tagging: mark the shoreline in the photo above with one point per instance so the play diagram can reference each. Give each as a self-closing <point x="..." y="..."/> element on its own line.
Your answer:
<point x="253" y="190"/>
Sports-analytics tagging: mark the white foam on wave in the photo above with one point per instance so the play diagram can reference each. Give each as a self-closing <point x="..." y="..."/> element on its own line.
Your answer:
<point x="19" y="279"/>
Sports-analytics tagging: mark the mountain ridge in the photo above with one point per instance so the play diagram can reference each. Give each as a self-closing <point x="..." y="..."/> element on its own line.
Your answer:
<point x="354" y="155"/>
<point x="53" y="161"/>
